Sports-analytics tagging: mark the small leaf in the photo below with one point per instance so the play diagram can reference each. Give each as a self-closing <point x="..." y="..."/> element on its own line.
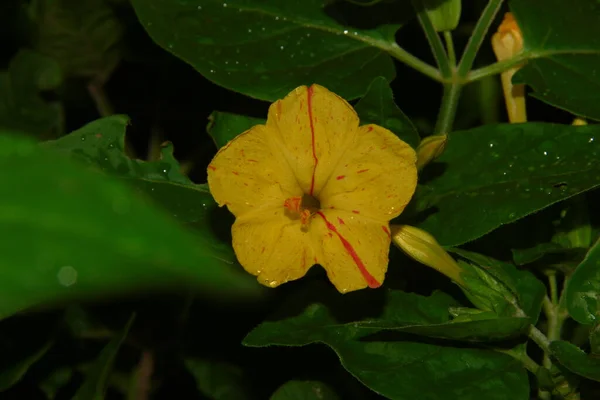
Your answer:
<point x="494" y="175"/>
<point x="527" y="256"/>
<point x="583" y="289"/>
<point x="576" y="360"/>
<point x="529" y="291"/>
<point x="377" y="107"/>
<point x="96" y="380"/>
<point x="224" y="126"/>
<point x="218" y="380"/>
<point x="21" y="106"/>
<point x="266" y="49"/>
<point x="304" y="390"/>
<point x="562" y="45"/>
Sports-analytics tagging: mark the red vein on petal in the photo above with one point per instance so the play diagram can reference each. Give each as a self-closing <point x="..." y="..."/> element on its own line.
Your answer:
<point x="371" y="281"/>
<point x="312" y="135"/>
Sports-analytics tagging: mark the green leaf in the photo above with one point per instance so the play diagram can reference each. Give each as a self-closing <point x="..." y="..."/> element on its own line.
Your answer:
<point x="576" y="360"/>
<point x="21" y="106"/>
<point x="529" y="290"/>
<point x="401" y="368"/>
<point x="264" y="49"/>
<point x="76" y="233"/>
<point x="55" y="381"/>
<point x="494" y="175"/>
<point x="11" y="376"/>
<point x="224" y="126"/>
<point x="583" y="289"/>
<point x="527" y="256"/>
<point x="218" y="380"/>
<point x="304" y="390"/>
<point x="82" y="36"/>
<point x="377" y="107"/>
<point x="96" y="380"/>
<point x="562" y="45"/>
<point x="101" y="143"/>
<point x="491" y="329"/>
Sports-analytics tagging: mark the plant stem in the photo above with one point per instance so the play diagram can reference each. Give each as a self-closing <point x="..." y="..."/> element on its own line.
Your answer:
<point x="103" y="105"/>
<point x="539" y="338"/>
<point x="476" y="39"/>
<point x="437" y="47"/>
<point x="497" y="68"/>
<point x="448" y="108"/>
<point x="527" y="362"/>
<point x="414" y="62"/>
<point x="450" y="48"/>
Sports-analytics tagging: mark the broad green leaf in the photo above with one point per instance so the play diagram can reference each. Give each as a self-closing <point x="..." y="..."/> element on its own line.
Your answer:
<point x="11" y="376"/>
<point x="218" y="380"/>
<point x="96" y="380"/>
<point x="76" y="233"/>
<point x="101" y="143"/>
<point x="403" y="367"/>
<point x="562" y="48"/>
<point x="224" y="126"/>
<point x="528" y="290"/>
<point x="494" y="175"/>
<point x="21" y="106"/>
<point x="482" y="330"/>
<point x="377" y="107"/>
<point x="264" y="49"/>
<point x="583" y="289"/>
<point x="82" y="36"/>
<point x="304" y="390"/>
<point x="576" y="360"/>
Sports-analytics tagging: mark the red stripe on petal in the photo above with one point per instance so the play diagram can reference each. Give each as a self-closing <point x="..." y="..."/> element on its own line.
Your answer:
<point x="340" y="177"/>
<point x="371" y="281"/>
<point x="310" y="93"/>
<point x="386" y="230"/>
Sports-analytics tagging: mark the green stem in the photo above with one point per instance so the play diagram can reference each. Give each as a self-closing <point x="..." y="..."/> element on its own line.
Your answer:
<point x="476" y="39"/>
<point x="527" y="362"/>
<point x="414" y="62"/>
<point x="448" y="108"/>
<point x="539" y="338"/>
<point x="437" y="47"/>
<point x="496" y="68"/>
<point x="450" y="48"/>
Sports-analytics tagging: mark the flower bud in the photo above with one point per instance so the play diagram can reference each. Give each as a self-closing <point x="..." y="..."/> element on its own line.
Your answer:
<point x="444" y="14"/>
<point x="579" y="122"/>
<point x="430" y="148"/>
<point x="423" y="247"/>
<point x="507" y="42"/>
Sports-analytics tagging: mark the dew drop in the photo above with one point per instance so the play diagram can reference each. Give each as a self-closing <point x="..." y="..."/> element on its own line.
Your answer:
<point x="67" y="276"/>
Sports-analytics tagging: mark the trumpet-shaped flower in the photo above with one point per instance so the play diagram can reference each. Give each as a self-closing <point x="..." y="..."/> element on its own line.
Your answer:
<point x="310" y="187"/>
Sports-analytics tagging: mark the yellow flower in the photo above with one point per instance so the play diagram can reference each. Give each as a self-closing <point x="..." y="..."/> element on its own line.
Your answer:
<point x="312" y="187"/>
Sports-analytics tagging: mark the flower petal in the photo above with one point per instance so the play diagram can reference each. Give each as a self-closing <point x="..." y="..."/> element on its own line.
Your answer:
<point x="249" y="174"/>
<point x="272" y="246"/>
<point x="376" y="178"/>
<point x="353" y="249"/>
<point x="315" y="127"/>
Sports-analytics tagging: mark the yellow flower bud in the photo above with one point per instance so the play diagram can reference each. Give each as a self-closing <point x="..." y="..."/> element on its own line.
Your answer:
<point x="430" y="148"/>
<point x="444" y="14"/>
<point x="423" y="247"/>
<point x="579" y="122"/>
<point x="507" y="42"/>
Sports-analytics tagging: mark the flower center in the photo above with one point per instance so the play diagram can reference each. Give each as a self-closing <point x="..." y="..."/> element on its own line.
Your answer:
<point x="302" y="208"/>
